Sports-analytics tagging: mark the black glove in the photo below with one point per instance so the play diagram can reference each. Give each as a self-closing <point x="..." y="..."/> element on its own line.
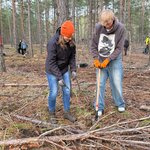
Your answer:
<point x="61" y="82"/>
<point x="74" y="75"/>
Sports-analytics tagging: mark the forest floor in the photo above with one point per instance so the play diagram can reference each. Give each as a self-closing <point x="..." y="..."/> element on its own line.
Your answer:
<point x="24" y="108"/>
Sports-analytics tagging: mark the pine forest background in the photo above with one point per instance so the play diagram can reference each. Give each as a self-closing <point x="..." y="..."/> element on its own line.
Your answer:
<point x="24" y="114"/>
<point x="37" y="20"/>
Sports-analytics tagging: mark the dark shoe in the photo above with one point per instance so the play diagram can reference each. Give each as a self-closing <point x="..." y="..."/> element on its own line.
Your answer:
<point x="52" y="118"/>
<point x="67" y="115"/>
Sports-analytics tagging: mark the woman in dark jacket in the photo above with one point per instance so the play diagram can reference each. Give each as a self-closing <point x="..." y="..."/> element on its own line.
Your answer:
<point x="61" y="53"/>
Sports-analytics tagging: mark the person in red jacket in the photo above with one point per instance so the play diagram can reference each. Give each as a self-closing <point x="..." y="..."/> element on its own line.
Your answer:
<point x="61" y="52"/>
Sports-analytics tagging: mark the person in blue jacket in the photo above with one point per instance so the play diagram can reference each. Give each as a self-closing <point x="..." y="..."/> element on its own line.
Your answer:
<point x="61" y="52"/>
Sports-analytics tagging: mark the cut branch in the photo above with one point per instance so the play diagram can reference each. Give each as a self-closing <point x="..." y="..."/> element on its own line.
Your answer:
<point x="144" y="107"/>
<point x="35" y="121"/>
<point x="98" y="134"/>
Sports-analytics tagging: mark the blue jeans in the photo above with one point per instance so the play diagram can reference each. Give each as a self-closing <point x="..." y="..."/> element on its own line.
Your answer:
<point x="53" y="91"/>
<point x="114" y="71"/>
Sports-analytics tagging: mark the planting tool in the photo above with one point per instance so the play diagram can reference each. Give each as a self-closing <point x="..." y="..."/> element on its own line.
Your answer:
<point x="66" y="86"/>
<point x="97" y="93"/>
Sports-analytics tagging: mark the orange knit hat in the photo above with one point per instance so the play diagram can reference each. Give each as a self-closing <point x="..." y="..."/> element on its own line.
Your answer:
<point x="67" y="29"/>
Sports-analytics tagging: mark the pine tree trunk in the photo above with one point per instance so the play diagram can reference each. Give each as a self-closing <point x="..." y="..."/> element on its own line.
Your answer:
<point x="142" y="22"/>
<point x="39" y="25"/>
<point x="93" y="15"/>
<point x="96" y="11"/>
<point x="22" y="19"/>
<point x="129" y="15"/>
<point x="14" y="23"/>
<point x="2" y="61"/>
<point x="29" y="29"/>
<point x="73" y="11"/>
<point x="62" y="11"/>
<point x="77" y="26"/>
<point x="91" y="25"/>
<point x="47" y="20"/>
<point x="1" y="21"/>
<point x="122" y="11"/>
<point x="129" y="27"/>
<point x="10" y="31"/>
<point x="55" y="24"/>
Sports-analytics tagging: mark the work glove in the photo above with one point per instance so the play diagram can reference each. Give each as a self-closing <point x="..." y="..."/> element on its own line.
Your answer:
<point x="74" y="75"/>
<point x="61" y="82"/>
<point x="105" y="63"/>
<point x="97" y="63"/>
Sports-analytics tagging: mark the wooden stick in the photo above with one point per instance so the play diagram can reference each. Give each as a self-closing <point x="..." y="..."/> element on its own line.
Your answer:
<point x="20" y="141"/>
<point x="73" y="137"/>
<point x="97" y="143"/>
<point x="97" y="93"/>
<point x="58" y="145"/>
<point x="35" y="121"/>
<point x="124" y="130"/>
<point x="144" y="107"/>
<point x="22" y="84"/>
<point x="121" y="123"/>
<point x="95" y="134"/>
<point x="38" y="85"/>
<point x="49" y="132"/>
<point x="96" y="123"/>
<point x="130" y="142"/>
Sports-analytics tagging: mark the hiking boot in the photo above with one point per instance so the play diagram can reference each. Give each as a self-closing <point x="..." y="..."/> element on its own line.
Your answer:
<point x="67" y="115"/>
<point x="52" y="118"/>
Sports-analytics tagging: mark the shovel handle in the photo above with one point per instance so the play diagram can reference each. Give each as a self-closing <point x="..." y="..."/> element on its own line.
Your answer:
<point x="98" y="90"/>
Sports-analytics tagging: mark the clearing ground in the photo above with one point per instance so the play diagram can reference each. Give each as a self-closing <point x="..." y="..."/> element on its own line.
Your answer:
<point x="24" y="108"/>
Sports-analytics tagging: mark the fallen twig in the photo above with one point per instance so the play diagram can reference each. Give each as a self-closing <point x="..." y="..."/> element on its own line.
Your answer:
<point x="144" y="107"/>
<point x="125" y="122"/>
<point x="23" y="141"/>
<point x="39" y="85"/>
<point x="58" y="145"/>
<point x="35" y="121"/>
<point x="110" y="135"/>
<point x="122" y="131"/>
<point x="49" y="132"/>
<point x="96" y="123"/>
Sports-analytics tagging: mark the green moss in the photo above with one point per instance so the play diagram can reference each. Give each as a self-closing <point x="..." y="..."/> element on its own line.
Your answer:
<point x="16" y="127"/>
<point x="45" y="93"/>
<point x="126" y="114"/>
<point x="81" y="111"/>
<point x="22" y="126"/>
<point x="145" y="122"/>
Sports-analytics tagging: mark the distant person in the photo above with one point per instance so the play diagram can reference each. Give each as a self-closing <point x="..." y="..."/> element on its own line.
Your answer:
<point x="61" y="52"/>
<point x="126" y="46"/>
<point x="19" y="47"/>
<point x="23" y="47"/>
<point x="106" y="48"/>
<point x="147" y="42"/>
